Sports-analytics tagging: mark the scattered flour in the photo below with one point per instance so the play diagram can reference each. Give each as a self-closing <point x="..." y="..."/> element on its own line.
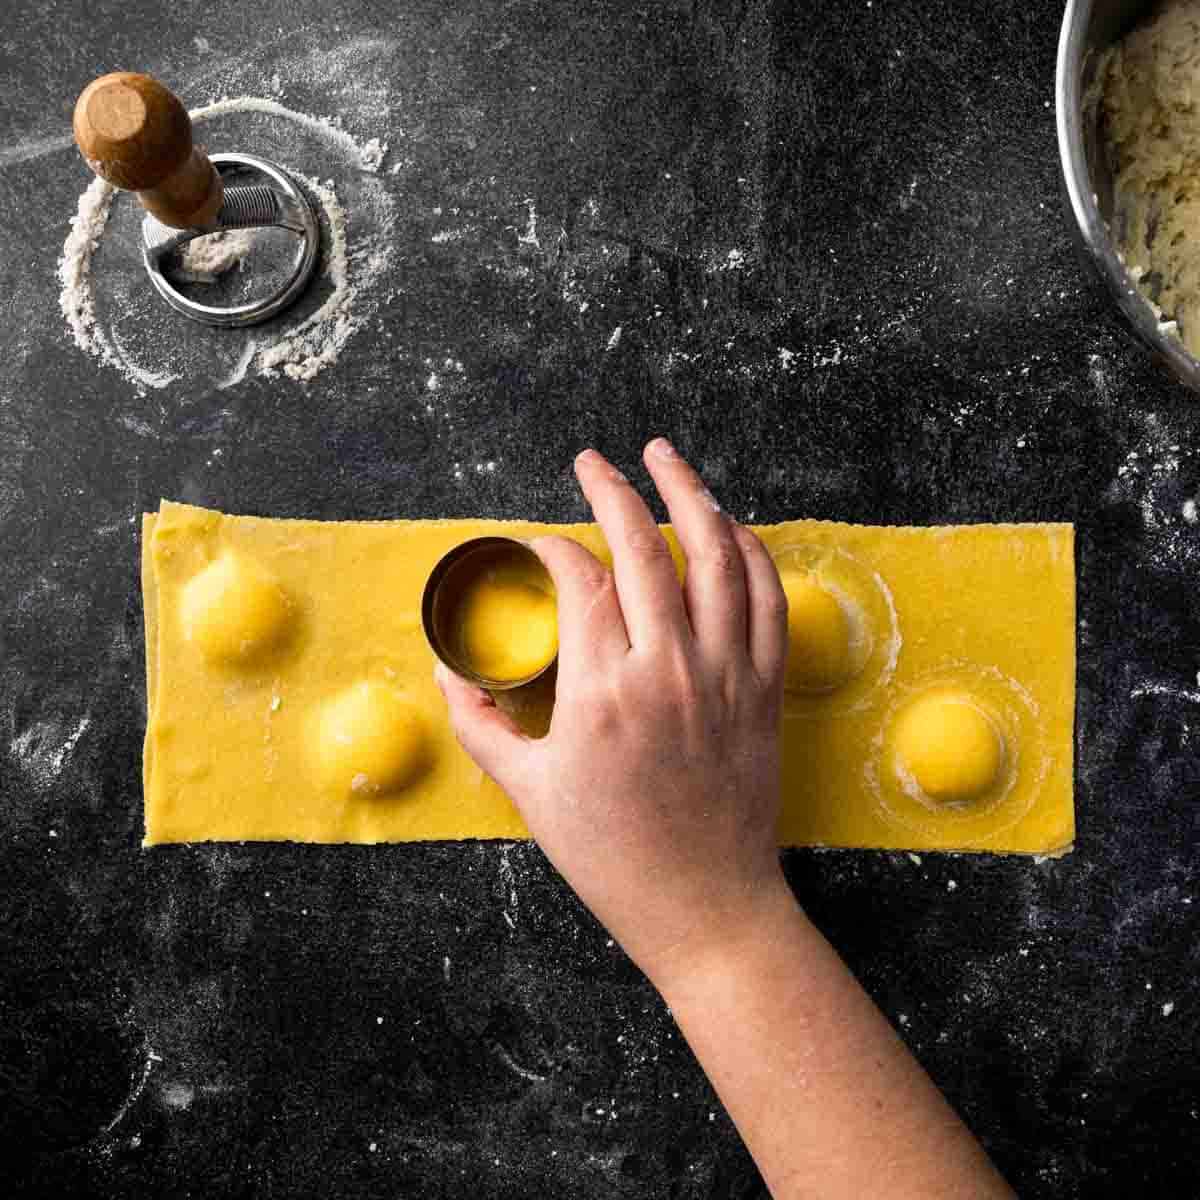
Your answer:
<point x="317" y="342"/>
<point x="235" y="377"/>
<point x="142" y="376"/>
<point x="1149" y="477"/>
<point x="1175" y="692"/>
<point x="373" y="154"/>
<point x="508" y="883"/>
<point x="328" y="128"/>
<point x="178" y="1096"/>
<point x="451" y="235"/>
<point x="139" y="1086"/>
<point x="530" y="236"/>
<point x="41" y="749"/>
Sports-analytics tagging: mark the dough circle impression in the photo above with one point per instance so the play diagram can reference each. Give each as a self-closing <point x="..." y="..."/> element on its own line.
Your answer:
<point x="370" y="741"/>
<point x="961" y="755"/>
<point x="235" y="612"/>
<point x="843" y="637"/>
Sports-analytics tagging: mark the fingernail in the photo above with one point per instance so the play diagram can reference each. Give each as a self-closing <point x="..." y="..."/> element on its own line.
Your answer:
<point x="710" y="499"/>
<point x="586" y="456"/>
<point x="662" y="448"/>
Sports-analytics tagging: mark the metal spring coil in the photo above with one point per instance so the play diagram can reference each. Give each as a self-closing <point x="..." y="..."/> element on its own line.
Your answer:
<point x="246" y="207"/>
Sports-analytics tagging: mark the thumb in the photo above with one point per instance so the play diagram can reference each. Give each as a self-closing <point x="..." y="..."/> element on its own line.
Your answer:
<point x="489" y="736"/>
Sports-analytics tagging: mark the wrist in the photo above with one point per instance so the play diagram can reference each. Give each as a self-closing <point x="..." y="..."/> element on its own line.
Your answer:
<point x="745" y="940"/>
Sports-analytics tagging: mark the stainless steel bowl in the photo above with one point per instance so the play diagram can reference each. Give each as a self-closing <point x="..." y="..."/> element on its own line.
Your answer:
<point x="1089" y="28"/>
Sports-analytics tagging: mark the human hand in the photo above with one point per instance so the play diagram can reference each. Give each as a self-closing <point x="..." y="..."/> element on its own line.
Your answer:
<point x="655" y="792"/>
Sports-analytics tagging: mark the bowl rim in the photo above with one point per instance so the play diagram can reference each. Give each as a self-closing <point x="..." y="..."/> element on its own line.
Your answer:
<point x="1081" y="198"/>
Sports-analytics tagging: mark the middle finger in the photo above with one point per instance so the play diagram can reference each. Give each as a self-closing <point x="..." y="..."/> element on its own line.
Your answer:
<point x="647" y="586"/>
<point x="715" y="584"/>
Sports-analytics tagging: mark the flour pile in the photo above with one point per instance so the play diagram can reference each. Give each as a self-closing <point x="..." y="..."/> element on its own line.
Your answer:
<point x="208" y="258"/>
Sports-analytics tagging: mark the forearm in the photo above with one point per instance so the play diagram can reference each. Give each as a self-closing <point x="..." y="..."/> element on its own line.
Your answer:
<point x="826" y="1096"/>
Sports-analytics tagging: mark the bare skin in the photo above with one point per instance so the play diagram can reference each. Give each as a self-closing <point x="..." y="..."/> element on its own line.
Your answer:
<point x="656" y="793"/>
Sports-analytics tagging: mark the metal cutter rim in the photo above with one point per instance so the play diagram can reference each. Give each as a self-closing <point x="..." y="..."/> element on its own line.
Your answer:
<point x="292" y="210"/>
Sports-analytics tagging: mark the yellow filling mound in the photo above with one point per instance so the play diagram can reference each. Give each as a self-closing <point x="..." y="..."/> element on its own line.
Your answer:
<point x="507" y="625"/>
<point x="819" y="636"/>
<point x="949" y="747"/>
<point x="369" y="742"/>
<point x="234" y="612"/>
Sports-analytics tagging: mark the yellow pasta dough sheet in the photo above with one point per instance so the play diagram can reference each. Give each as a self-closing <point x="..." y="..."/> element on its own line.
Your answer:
<point x="930" y="702"/>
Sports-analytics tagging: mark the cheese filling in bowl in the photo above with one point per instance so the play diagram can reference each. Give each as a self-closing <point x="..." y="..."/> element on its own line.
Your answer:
<point x="1125" y="74"/>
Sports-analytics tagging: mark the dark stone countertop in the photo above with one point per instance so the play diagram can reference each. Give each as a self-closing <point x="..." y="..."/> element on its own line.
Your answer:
<point x="832" y="239"/>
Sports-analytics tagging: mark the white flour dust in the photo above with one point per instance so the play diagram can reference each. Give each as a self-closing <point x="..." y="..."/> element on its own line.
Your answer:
<point x="43" y="747"/>
<point x="356" y="255"/>
<point x="76" y="299"/>
<point x="1149" y="477"/>
<point x="372" y="155"/>
<point x="508" y="884"/>
<point x="318" y="340"/>
<point x="208" y="258"/>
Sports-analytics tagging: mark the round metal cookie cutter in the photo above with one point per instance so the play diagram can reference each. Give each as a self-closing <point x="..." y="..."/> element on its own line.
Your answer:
<point x="278" y="203"/>
<point x="450" y="578"/>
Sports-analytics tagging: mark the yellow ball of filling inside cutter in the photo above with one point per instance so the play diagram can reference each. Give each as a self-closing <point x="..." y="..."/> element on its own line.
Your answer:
<point x="370" y="742"/>
<point x="234" y="611"/>
<point x="949" y="747"/>
<point x="820" y="636"/>
<point x="507" y="624"/>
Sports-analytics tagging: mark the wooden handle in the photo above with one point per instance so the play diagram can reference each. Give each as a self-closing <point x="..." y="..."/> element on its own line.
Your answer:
<point x="136" y="134"/>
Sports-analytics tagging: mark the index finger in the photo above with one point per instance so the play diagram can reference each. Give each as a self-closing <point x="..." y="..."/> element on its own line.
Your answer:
<point x="647" y="586"/>
<point x="590" y="627"/>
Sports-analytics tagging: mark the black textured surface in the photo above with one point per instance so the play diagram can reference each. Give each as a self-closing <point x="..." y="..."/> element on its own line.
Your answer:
<point x="904" y="334"/>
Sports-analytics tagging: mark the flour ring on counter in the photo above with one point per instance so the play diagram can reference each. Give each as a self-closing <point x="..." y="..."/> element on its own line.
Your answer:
<point x="842" y="631"/>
